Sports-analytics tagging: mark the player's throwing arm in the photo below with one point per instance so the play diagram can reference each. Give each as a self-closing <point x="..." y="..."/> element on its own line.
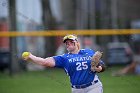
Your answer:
<point x="48" y="62"/>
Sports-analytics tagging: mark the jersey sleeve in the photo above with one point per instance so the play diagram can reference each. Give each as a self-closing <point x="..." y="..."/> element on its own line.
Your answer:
<point x="101" y="62"/>
<point x="92" y="52"/>
<point x="59" y="61"/>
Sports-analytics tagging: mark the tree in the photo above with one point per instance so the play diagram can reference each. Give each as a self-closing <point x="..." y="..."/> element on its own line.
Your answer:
<point x="49" y="24"/>
<point x="14" y="65"/>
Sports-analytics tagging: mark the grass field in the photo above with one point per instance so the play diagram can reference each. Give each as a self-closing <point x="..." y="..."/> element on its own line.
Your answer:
<point x="56" y="81"/>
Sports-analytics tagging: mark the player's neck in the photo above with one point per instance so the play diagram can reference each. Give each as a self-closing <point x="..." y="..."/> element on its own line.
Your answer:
<point x="76" y="51"/>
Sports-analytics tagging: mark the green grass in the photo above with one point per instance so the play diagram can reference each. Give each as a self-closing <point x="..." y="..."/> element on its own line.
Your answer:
<point x="121" y="84"/>
<point x="56" y="81"/>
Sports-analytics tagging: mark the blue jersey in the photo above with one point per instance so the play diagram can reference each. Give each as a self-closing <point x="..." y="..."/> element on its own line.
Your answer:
<point x="77" y="66"/>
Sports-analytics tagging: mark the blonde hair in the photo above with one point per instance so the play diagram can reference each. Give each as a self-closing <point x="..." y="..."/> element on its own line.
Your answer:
<point x="78" y="45"/>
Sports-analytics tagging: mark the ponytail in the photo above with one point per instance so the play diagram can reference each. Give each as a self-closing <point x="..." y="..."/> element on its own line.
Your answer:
<point x="78" y="45"/>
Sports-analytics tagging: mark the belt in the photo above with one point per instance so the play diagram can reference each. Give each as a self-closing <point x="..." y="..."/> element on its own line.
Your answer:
<point x="84" y="85"/>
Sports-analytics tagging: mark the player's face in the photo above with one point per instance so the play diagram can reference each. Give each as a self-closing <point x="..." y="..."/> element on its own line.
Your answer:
<point x="70" y="45"/>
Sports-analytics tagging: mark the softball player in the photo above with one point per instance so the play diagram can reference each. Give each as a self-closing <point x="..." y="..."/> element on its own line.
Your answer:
<point x="77" y="65"/>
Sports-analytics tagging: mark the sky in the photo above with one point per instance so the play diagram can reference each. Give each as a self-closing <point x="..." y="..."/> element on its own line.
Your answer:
<point x="26" y="10"/>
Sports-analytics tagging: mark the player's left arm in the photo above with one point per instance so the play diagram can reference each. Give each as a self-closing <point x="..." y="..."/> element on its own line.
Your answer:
<point x="97" y="64"/>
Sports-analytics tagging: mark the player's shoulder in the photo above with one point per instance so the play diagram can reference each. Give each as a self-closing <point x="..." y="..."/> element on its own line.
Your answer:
<point x="61" y="57"/>
<point x="87" y="50"/>
<point x="64" y="55"/>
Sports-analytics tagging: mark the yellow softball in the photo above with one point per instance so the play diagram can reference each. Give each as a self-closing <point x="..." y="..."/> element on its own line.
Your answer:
<point x="25" y="54"/>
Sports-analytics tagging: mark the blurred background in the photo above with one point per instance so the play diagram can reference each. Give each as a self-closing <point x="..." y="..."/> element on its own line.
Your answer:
<point x="38" y="26"/>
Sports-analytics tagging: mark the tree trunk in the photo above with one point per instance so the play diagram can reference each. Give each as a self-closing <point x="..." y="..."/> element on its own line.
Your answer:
<point x="49" y="24"/>
<point x="14" y="65"/>
<point x="69" y="13"/>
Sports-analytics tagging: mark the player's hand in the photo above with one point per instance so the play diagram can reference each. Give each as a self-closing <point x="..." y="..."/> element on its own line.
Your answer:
<point x="96" y="68"/>
<point x="25" y="55"/>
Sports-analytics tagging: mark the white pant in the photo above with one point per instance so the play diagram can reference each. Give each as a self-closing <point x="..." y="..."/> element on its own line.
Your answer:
<point x="96" y="88"/>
